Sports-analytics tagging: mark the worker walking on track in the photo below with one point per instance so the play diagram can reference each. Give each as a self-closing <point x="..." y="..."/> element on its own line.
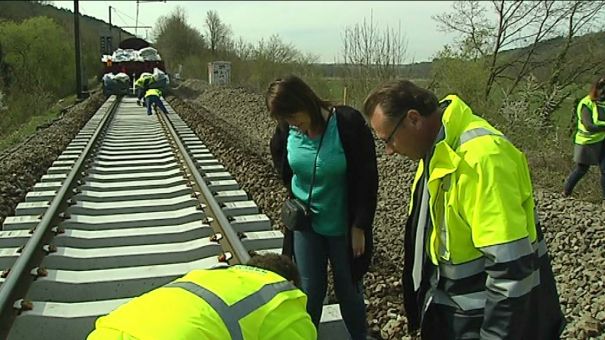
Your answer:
<point x="475" y="261"/>
<point x="257" y="301"/>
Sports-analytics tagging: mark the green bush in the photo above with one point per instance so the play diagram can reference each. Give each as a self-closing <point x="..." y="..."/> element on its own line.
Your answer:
<point x="40" y="59"/>
<point x="455" y="73"/>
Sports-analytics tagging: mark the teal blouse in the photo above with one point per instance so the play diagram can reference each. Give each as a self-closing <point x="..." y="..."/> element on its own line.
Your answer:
<point x="328" y="200"/>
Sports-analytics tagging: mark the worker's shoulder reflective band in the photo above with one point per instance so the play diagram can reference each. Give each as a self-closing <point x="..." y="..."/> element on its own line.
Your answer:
<point x="474" y="133"/>
<point x="232" y="314"/>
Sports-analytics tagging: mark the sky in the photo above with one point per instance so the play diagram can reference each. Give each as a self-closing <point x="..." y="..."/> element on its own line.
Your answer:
<point x="314" y="27"/>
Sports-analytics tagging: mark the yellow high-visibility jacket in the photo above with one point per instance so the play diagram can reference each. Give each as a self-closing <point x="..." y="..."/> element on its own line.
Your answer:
<point x="140" y="83"/>
<point x="488" y="274"/>
<point x="238" y="302"/>
<point x="153" y="92"/>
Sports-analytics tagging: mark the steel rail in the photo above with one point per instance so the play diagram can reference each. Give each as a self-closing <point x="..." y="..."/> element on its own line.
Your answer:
<point x="220" y="220"/>
<point x="20" y="275"/>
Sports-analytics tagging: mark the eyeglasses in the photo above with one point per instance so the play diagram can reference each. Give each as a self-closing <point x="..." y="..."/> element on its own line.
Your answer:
<point x="390" y="138"/>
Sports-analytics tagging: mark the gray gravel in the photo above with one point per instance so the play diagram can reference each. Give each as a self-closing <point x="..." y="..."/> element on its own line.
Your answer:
<point x="235" y="125"/>
<point x="26" y="163"/>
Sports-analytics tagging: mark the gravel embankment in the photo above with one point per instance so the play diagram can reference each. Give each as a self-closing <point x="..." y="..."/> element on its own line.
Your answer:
<point x="25" y="164"/>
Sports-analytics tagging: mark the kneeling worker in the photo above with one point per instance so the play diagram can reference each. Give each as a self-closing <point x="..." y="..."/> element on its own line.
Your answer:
<point x="254" y="301"/>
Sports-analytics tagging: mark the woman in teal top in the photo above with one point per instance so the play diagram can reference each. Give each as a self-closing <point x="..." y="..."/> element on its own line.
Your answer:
<point x="343" y="199"/>
<point x="329" y="214"/>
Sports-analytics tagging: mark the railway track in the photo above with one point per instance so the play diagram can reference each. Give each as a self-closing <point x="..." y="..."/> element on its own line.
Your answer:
<point x="132" y="203"/>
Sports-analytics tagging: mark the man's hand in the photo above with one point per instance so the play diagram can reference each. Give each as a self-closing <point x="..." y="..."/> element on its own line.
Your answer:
<point x="358" y="241"/>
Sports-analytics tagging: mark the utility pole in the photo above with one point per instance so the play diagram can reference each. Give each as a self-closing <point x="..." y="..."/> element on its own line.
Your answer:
<point x="77" y="43"/>
<point x="110" y="33"/>
<point x="136" y="23"/>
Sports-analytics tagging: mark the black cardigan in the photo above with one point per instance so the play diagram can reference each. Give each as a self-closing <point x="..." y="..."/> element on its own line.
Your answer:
<point x="362" y="179"/>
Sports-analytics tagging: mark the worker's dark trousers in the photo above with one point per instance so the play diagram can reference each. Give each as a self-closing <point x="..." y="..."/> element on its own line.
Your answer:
<point x="580" y="170"/>
<point x="149" y="100"/>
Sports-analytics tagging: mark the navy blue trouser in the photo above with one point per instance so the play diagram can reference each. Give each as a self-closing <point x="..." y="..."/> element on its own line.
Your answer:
<point x="311" y="252"/>
<point x="149" y="100"/>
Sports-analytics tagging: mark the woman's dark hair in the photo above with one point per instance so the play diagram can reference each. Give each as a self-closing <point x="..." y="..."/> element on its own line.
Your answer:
<point x="289" y="95"/>
<point x="597" y="88"/>
<point x="396" y="97"/>
<point x="279" y="264"/>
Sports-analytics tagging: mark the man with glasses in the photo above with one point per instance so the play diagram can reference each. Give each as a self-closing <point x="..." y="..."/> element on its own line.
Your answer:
<point x="475" y="262"/>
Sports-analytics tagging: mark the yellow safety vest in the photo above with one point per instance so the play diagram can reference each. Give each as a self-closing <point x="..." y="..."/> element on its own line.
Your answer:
<point x="583" y="136"/>
<point x="141" y="81"/>
<point x="153" y="92"/>
<point x="218" y="304"/>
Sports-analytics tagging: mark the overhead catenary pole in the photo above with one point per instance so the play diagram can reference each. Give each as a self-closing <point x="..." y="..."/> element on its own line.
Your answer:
<point x="136" y="22"/>
<point x="110" y="47"/>
<point x="77" y="46"/>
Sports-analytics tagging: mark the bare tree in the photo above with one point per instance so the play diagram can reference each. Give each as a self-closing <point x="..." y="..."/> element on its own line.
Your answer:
<point x="580" y="14"/>
<point x="543" y="25"/>
<point x="365" y="46"/>
<point x="566" y="69"/>
<point x="517" y="24"/>
<point x="218" y="33"/>
<point x="242" y="49"/>
<point x="266" y="60"/>
<point x="512" y="18"/>
<point x="469" y="19"/>
<point x="176" y="39"/>
<point x="276" y="51"/>
<point x="371" y="54"/>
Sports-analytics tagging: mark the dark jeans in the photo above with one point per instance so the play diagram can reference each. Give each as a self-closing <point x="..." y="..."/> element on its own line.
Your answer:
<point x="312" y="252"/>
<point x="149" y="100"/>
<point x="579" y="171"/>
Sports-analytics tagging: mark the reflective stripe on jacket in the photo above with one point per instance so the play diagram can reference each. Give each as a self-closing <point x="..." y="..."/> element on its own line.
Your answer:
<point x="238" y="303"/>
<point x="583" y="136"/>
<point x="492" y="277"/>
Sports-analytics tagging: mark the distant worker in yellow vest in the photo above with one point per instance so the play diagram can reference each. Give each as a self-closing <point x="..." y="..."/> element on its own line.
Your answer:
<point x="152" y="95"/>
<point x="141" y="84"/>
<point x="589" y="140"/>
<point x="257" y="301"/>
